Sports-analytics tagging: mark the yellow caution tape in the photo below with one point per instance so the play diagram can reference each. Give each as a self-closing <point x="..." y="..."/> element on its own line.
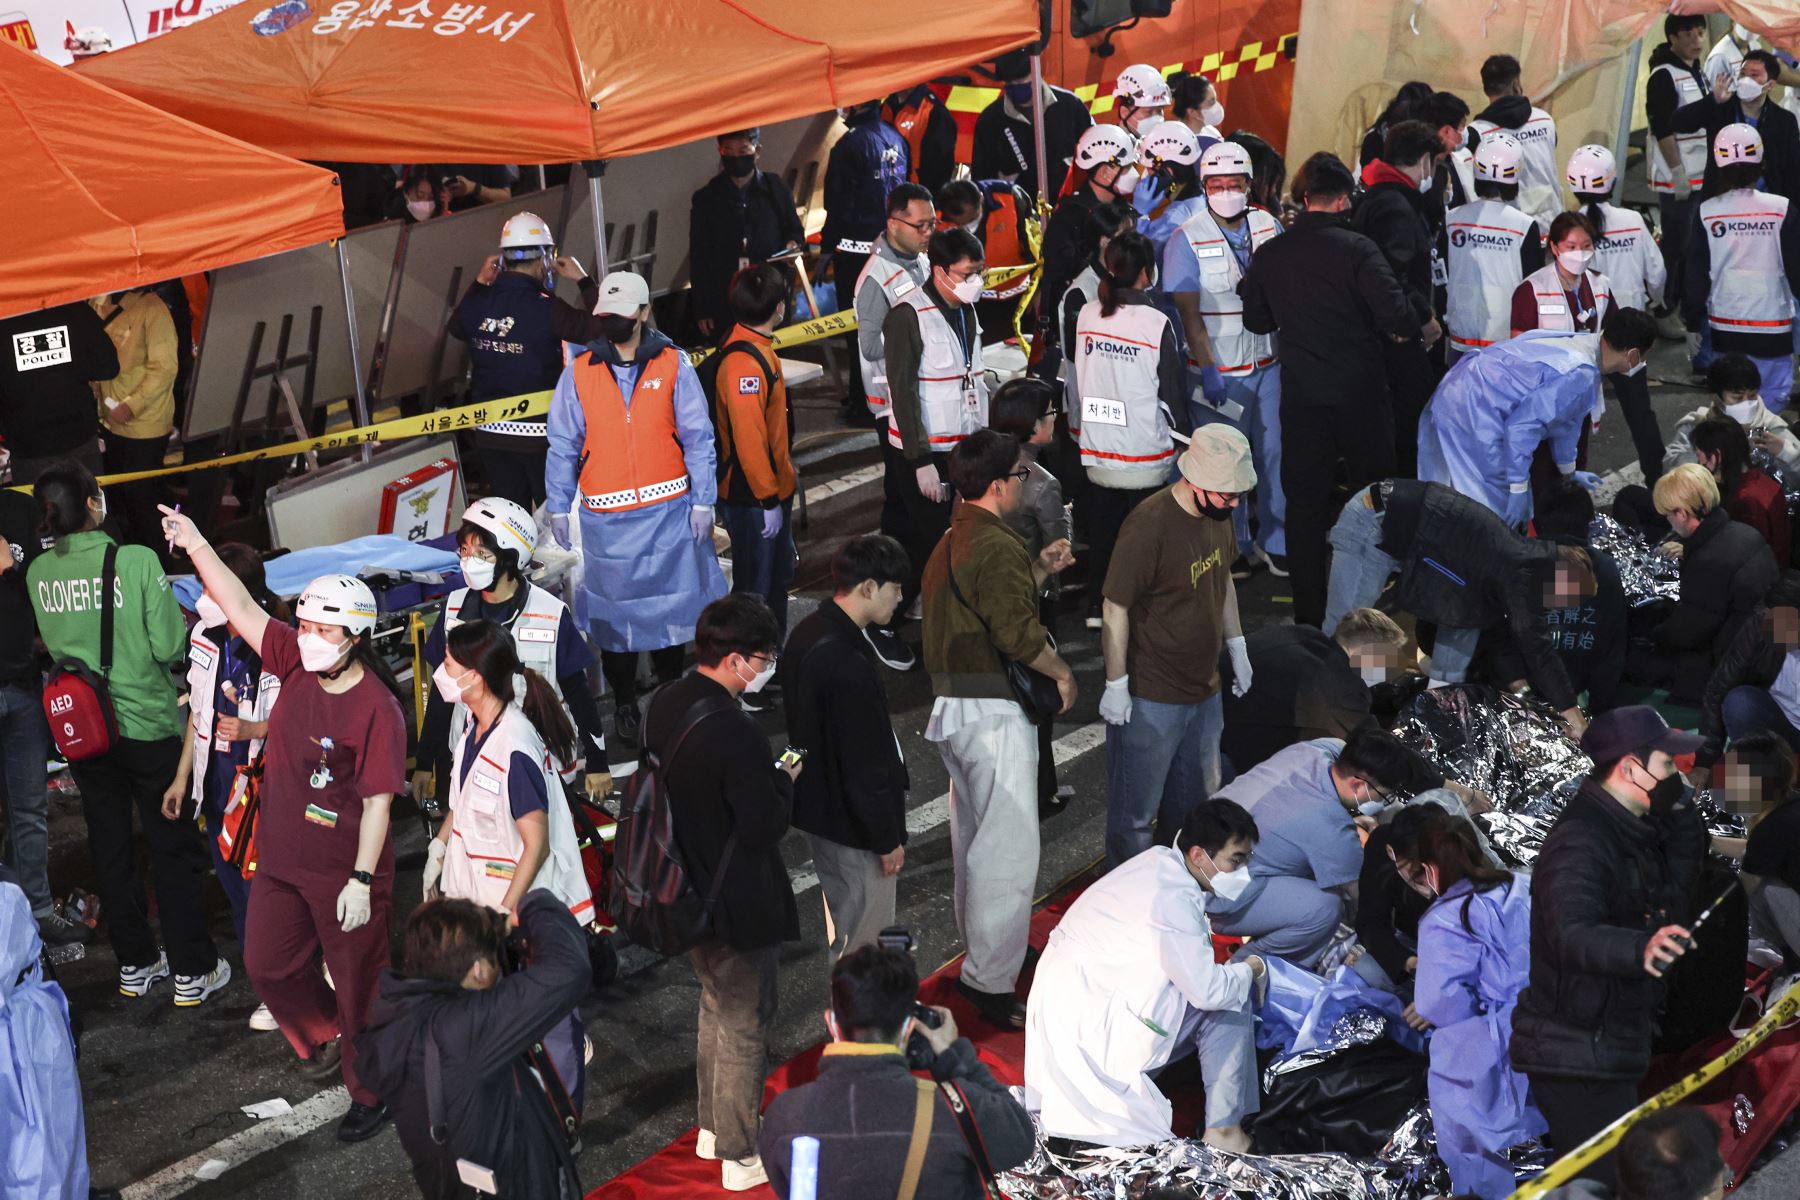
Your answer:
<point x="1221" y="66"/>
<point x="1577" y="1160"/>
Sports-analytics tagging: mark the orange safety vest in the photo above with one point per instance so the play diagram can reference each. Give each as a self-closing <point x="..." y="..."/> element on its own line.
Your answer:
<point x="912" y="120"/>
<point x="630" y="458"/>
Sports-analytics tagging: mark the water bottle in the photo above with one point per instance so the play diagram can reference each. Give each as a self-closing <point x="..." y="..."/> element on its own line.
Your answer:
<point x="803" y="1170"/>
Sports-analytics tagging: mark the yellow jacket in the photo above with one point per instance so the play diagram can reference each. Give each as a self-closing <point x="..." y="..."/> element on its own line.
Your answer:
<point x="144" y="334"/>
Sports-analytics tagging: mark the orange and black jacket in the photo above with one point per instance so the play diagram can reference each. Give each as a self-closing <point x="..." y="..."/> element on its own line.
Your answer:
<point x="750" y="414"/>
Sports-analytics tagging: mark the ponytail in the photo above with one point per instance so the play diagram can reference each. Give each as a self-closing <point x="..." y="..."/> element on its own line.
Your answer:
<point x="1591" y="209"/>
<point x="487" y="648"/>
<point x="362" y="650"/>
<point x="62" y="493"/>
<point x="1128" y="257"/>
<point x="1452" y="847"/>
<point x="544" y="709"/>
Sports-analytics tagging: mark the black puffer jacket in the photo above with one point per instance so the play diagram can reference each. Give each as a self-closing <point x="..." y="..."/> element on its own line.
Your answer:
<point x="1604" y="882"/>
<point x="1726" y="570"/>
<point x="1461" y="566"/>
<point x="1752" y="659"/>
<point x="1397" y="218"/>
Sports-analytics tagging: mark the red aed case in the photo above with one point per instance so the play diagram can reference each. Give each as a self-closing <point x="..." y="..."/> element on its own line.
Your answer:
<point x="417" y="505"/>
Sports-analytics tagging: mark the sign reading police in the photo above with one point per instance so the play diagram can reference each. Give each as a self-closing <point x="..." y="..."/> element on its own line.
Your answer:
<point x="41" y="348"/>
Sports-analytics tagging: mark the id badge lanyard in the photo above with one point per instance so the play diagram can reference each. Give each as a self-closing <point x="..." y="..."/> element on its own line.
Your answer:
<point x="971" y="394"/>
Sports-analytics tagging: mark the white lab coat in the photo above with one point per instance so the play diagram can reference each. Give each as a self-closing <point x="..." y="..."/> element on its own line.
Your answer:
<point x="1121" y="979"/>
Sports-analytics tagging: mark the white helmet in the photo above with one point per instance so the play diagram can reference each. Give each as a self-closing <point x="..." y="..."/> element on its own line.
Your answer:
<point x="1591" y="169"/>
<point x="338" y="600"/>
<point x="1171" y="141"/>
<point x="1142" y="86"/>
<point x="1225" y="158"/>
<point x="1100" y="144"/>
<point x="525" y="230"/>
<point x="1737" y="143"/>
<point x="511" y="526"/>
<point x="1497" y="158"/>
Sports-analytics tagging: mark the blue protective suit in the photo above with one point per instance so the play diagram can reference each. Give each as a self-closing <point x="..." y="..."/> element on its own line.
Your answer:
<point x="43" y="1141"/>
<point x="645" y="577"/>
<point x="1467" y="986"/>
<point x="1492" y="410"/>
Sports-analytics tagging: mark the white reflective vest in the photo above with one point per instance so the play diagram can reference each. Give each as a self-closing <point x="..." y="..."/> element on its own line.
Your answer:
<point x="1749" y="280"/>
<point x="1485" y="269"/>
<point x="1629" y="258"/>
<point x="896" y="283"/>
<point x="1553" y="303"/>
<point x="203" y="684"/>
<point x="1236" y="350"/>
<point x="482" y="855"/>
<point x="1690" y="148"/>
<point x="1087" y="286"/>
<point x="1124" y="431"/>
<point x="952" y="384"/>
<point x="1462" y="161"/>
<point x="534" y="632"/>
<point x="1540" y="181"/>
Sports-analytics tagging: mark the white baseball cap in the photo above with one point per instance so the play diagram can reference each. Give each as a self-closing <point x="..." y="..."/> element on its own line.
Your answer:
<point x="622" y="294"/>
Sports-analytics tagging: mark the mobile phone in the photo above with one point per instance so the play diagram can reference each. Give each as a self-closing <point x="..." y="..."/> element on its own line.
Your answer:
<point x="793" y="756"/>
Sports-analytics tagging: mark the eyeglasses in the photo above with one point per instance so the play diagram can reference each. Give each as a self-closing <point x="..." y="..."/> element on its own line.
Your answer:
<point x="768" y="658"/>
<point x="1022" y="474"/>
<point x="916" y="226"/>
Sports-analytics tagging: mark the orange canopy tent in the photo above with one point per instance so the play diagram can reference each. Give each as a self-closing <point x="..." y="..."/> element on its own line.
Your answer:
<point x="539" y="81"/>
<point x="122" y="195"/>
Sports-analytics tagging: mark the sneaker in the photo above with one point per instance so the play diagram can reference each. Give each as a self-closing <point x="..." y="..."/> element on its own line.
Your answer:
<point x="1243" y="568"/>
<point x="706" y="1146"/>
<point x="362" y="1122"/>
<point x="1093" y="620"/>
<point x="262" y="1020"/>
<point x="628" y="723"/>
<point x="890" y="649"/>
<point x="743" y="1175"/>
<point x="135" y="982"/>
<point x="1004" y="1011"/>
<point x="323" y="1066"/>
<point x="192" y="990"/>
<point x="57" y="929"/>
<point x="1277" y="564"/>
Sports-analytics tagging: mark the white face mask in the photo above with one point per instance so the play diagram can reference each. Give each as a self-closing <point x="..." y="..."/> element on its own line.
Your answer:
<point x="1228" y="885"/>
<point x="101" y="501"/>
<point x="478" y="573"/>
<point x="421" y="209"/>
<point x="208" y="610"/>
<point x="1749" y="90"/>
<point x="1371" y="808"/>
<point x="1741" y="413"/>
<point x="1228" y="204"/>
<point x="1425" y="184"/>
<point x="318" y="654"/>
<point x="447" y="685"/>
<point x="1213" y="113"/>
<point x="760" y="680"/>
<point x="1127" y="181"/>
<point x="969" y="290"/>
<point x="1574" y="261"/>
<point x="1463" y="138"/>
<point x="1372" y="674"/>
<point x="974" y="226"/>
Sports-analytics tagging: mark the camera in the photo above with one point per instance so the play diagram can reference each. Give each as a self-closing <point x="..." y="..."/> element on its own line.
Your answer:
<point x="919" y="1054"/>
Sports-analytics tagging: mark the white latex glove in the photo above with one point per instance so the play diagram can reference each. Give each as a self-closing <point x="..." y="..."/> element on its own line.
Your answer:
<point x="559" y="529"/>
<point x="931" y="484"/>
<point x="434" y="867"/>
<point x="700" y="522"/>
<point x="353" y="906"/>
<point x="1115" y="701"/>
<point x="1240" y="665"/>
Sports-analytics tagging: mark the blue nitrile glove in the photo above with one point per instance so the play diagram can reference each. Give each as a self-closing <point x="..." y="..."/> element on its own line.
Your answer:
<point x="559" y="529"/>
<point x="1212" y="386"/>
<point x="771" y="522"/>
<point x="1149" y="192"/>
<point x="1586" y="479"/>
<point x="1517" y="508"/>
<point x="700" y="521"/>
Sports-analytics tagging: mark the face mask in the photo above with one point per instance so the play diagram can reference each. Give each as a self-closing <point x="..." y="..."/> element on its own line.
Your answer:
<point x="1228" y="885"/>
<point x="1372" y="675"/>
<point x="1425" y="184"/>
<point x="1749" y="91"/>
<point x="1431" y="880"/>
<point x="421" y="209"/>
<point x="1145" y="124"/>
<point x="973" y="227"/>
<point x="317" y="654"/>
<point x="617" y="329"/>
<point x="758" y="681"/>
<point x="1127" y="181"/>
<point x="969" y="290"/>
<point x="1574" y="261"/>
<point x="1741" y="413"/>
<point x="738" y="166"/>
<point x="1463" y="138"/>
<point x="1019" y="94"/>
<point x="208" y="610"/>
<point x="1664" y="794"/>
<point x="101" y="501"/>
<point x="1213" y="114"/>
<point x="1228" y="204"/>
<point x="447" y="685"/>
<point x="478" y="573"/>
<point x="1216" y="512"/>
<point x="1372" y="808"/>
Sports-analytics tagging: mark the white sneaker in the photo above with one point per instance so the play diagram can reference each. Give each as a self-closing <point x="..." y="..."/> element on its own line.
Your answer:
<point x="135" y="982"/>
<point x="743" y="1175"/>
<point x="262" y="1020"/>
<point x="192" y="990"/>
<point x="706" y="1146"/>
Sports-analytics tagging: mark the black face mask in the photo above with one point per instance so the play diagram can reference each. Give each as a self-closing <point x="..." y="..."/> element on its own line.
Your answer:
<point x="618" y="329"/>
<point x="1215" y="511"/>
<point x="738" y="166"/>
<point x="1664" y="795"/>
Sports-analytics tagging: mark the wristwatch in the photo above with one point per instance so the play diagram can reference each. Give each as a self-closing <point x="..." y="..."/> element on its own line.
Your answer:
<point x="362" y="877"/>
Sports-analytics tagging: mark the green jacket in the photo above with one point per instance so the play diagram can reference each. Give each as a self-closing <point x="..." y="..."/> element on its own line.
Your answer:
<point x="149" y="635"/>
<point x="993" y="569"/>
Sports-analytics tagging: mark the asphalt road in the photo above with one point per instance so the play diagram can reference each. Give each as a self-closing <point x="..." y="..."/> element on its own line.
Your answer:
<point x="163" y="1087"/>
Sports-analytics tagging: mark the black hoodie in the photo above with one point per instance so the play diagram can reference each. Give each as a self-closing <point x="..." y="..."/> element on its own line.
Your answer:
<point x="1508" y="112"/>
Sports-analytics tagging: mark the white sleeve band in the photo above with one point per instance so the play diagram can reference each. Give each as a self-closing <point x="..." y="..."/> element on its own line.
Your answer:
<point x="1517" y="488"/>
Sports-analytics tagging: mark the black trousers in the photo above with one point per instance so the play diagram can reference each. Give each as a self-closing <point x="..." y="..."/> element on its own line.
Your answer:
<point x="1577" y="1109"/>
<point x="926" y="522"/>
<point x="846" y="268"/>
<point x="1326" y="448"/>
<point x="620" y="669"/>
<point x="896" y="480"/>
<point x="1412" y="378"/>
<point x="1107" y="509"/>
<point x="133" y="505"/>
<point x="132" y="775"/>
<point x="1677" y="221"/>
<point x="515" y="474"/>
<point x="1633" y="395"/>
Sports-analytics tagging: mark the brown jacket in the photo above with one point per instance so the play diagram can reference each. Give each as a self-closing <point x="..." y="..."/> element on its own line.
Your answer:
<point x="993" y="570"/>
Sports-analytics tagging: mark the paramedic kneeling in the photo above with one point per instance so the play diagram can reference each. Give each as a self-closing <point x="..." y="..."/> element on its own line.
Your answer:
<point x="1128" y="983"/>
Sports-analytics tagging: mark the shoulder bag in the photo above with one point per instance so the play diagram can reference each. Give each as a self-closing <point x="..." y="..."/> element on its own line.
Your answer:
<point x="1035" y="691"/>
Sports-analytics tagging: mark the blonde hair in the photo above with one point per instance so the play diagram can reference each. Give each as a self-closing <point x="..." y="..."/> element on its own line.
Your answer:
<point x="1363" y="626"/>
<point x="1689" y="486"/>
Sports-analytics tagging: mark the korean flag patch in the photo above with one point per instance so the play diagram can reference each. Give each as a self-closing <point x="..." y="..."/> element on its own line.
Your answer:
<point x="749" y="385"/>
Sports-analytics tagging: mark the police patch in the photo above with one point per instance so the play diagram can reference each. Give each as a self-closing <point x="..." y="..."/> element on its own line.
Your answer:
<point x="749" y="385"/>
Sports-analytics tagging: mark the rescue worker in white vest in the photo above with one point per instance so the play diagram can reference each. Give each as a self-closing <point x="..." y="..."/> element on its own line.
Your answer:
<point x="494" y="545"/>
<point x="1509" y="109"/>
<point x="1675" y="162"/>
<point x="1741" y="276"/>
<point x="1103" y="225"/>
<point x="1239" y="379"/>
<point x="1105" y="169"/>
<point x="896" y="268"/>
<point x="1129" y="402"/>
<point x="630" y="438"/>
<point x="1491" y="245"/>
<point x="936" y="383"/>
<point x="1627" y="256"/>
<point x="509" y="829"/>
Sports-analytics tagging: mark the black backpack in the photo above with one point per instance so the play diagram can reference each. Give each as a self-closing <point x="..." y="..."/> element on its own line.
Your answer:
<point x="653" y="900"/>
